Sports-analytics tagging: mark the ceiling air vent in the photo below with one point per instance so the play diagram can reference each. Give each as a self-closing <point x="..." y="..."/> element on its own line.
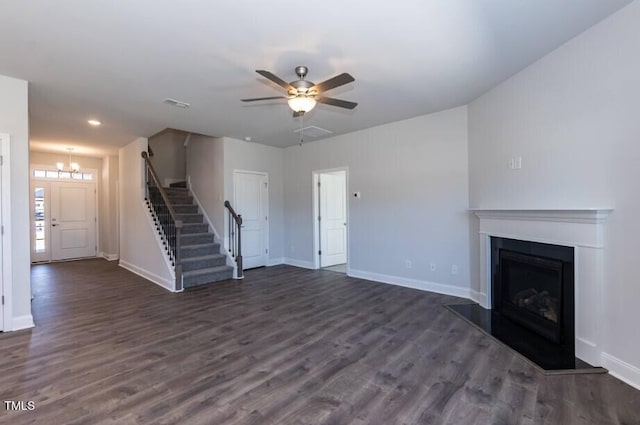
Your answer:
<point x="177" y="103"/>
<point x="313" y="131"/>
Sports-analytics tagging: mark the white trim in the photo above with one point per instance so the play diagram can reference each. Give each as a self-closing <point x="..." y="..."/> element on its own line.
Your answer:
<point x="478" y="297"/>
<point x="573" y="215"/>
<point x="6" y="286"/>
<point x="423" y="285"/>
<point x="622" y="370"/>
<point x="315" y="174"/>
<point x="299" y="263"/>
<point x="23" y="322"/>
<point x="552" y="241"/>
<point x="150" y="276"/>
<point x="108" y="257"/>
<point x="275" y="261"/>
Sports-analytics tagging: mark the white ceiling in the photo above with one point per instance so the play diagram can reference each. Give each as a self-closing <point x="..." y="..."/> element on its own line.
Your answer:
<point x="118" y="60"/>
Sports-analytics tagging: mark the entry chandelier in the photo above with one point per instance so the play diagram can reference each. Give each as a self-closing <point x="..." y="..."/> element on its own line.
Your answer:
<point x="74" y="167"/>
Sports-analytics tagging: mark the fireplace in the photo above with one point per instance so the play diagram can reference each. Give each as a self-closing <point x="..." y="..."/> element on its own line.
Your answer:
<point x="533" y="286"/>
<point x="582" y="231"/>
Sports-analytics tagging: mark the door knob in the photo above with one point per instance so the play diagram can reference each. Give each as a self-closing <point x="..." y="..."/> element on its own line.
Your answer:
<point x="54" y="224"/>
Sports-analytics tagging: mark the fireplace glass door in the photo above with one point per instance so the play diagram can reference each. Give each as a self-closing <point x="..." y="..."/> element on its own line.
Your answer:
<point x="532" y="292"/>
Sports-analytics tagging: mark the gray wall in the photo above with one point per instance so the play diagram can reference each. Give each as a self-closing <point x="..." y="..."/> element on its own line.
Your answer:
<point x="14" y="119"/>
<point x="211" y="162"/>
<point x="247" y="156"/>
<point x="169" y="155"/>
<point x="205" y="174"/>
<point x="413" y="179"/>
<point x="109" y="214"/>
<point x="573" y="118"/>
<point x="140" y="251"/>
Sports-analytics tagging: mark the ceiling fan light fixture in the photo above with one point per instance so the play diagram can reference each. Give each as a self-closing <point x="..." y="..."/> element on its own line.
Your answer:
<point x="302" y="103"/>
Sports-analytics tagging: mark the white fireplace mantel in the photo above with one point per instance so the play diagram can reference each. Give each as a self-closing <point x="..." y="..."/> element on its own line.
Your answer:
<point x="582" y="229"/>
<point x="584" y="215"/>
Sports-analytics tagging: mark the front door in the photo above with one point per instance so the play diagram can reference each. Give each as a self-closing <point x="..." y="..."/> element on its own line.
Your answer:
<point x="251" y="202"/>
<point x="333" y="218"/>
<point x="73" y="220"/>
<point x="64" y="220"/>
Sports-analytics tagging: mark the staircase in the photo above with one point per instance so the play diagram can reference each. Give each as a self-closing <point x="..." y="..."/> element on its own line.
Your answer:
<point x="202" y="261"/>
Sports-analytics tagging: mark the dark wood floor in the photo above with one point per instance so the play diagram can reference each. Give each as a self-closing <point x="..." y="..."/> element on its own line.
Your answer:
<point x="286" y="346"/>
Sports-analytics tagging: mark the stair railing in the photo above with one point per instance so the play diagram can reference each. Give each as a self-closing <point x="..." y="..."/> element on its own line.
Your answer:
<point x="165" y="217"/>
<point x="235" y="239"/>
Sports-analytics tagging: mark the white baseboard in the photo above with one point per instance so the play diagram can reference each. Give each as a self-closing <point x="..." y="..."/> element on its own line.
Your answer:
<point x="109" y="257"/>
<point x="22" y="322"/>
<point x="299" y="263"/>
<point x="422" y="285"/>
<point x="152" y="277"/>
<point x="622" y="370"/>
<point x="479" y="297"/>
<point x="275" y="261"/>
<point x="588" y="351"/>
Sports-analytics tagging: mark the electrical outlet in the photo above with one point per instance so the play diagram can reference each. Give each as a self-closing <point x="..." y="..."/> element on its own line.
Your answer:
<point x="454" y="269"/>
<point x="432" y="267"/>
<point x="408" y="264"/>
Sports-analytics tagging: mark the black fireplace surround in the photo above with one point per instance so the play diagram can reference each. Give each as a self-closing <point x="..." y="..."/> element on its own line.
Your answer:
<point x="532" y="294"/>
<point x="533" y="285"/>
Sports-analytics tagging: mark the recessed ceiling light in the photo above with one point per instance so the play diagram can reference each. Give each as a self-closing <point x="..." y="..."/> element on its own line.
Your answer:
<point x="94" y="123"/>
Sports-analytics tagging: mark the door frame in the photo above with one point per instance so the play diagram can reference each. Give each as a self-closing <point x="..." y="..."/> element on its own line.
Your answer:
<point x="315" y="174"/>
<point x="6" y="286"/>
<point x="266" y="201"/>
<point x="32" y="179"/>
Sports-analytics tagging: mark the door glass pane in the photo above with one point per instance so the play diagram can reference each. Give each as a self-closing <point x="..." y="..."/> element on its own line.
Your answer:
<point x="39" y="220"/>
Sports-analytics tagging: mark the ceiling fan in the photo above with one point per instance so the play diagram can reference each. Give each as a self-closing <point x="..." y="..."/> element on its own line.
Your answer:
<point x="302" y="94"/>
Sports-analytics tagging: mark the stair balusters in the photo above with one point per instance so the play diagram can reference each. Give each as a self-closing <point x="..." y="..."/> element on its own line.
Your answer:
<point x="235" y="240"/>
<point x="165" y="217"/>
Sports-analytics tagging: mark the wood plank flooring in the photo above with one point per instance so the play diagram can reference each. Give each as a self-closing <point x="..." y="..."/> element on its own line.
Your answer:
<point x="284" y="346"/>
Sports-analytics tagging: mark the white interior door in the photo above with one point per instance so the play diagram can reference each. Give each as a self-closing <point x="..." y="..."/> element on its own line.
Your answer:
<point x="251" y="202"/>
<point x="333" y="218"/>
<point x="73" y="220"/>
